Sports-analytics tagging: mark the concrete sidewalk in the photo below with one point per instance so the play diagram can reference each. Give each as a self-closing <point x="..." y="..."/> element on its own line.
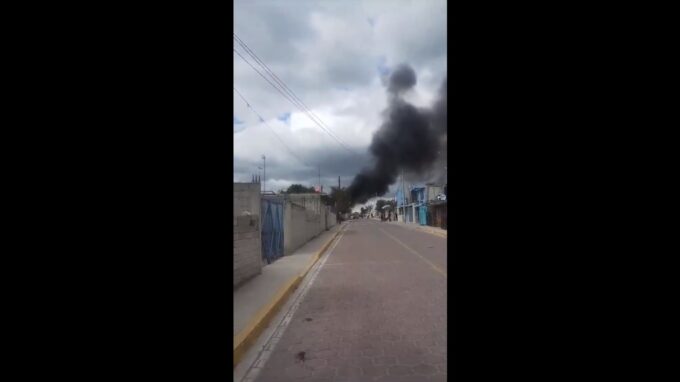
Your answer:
<point x="257" y="301"/>
<point x="424" y="228"/>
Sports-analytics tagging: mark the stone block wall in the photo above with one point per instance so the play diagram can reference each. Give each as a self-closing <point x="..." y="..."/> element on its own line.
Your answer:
<point x="247" y="242"/>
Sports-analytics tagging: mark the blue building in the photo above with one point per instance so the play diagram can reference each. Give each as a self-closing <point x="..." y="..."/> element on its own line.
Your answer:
<point x="412" y="202"/>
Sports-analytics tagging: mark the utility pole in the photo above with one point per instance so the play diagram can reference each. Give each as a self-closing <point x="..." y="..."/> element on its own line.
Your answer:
<point x="319" y="179"/>
<point x="337" y="195"/>
<point x="264" y="184"/>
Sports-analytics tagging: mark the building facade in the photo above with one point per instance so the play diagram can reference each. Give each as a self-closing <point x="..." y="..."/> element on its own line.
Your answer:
<point x="413" y="203"/>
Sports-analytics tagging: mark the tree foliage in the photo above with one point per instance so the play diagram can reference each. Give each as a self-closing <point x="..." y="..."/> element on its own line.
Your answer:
<point x="340" y="200"/>
<point x="299" y="189"/>
<point x="380" y="204"/>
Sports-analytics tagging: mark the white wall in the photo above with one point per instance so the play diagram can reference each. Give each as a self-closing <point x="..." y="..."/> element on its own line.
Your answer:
<point x="304" y="218"/>
<point x="330" y="219"/>
<point x="299" y="226"/>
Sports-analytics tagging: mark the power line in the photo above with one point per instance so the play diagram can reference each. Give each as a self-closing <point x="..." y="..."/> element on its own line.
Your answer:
<point x="265" y="67"/>
<point x="261" y="75"/>
<point x="298" y="102"/>
<point x="281" y="87"/>
<point x="270" y="128"/>
<point x="295" y="100"/>
<point x="294" y="103"/>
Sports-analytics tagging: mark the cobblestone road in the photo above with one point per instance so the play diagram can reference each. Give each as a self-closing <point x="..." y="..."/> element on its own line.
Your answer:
<point x="375" y="312"/>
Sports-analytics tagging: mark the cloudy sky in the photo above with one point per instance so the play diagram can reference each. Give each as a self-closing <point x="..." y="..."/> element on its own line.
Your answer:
<point x="335" y="56"/>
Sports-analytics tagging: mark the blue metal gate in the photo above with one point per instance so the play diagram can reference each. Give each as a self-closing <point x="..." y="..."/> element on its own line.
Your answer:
<point x="272" y="229"/>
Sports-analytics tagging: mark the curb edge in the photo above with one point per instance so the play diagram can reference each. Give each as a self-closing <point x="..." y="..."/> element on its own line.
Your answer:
<point x="244" y="340"/>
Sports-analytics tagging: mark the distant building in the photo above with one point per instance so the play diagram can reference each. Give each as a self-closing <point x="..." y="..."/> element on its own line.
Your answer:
<point x="413" y="201"/>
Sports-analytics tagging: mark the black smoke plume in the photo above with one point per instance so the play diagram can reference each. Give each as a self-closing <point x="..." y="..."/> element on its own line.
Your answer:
<point x="409" y="139"/>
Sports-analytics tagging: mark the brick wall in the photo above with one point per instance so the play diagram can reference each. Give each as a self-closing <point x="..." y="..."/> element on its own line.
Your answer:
<point x="247" y="241"/>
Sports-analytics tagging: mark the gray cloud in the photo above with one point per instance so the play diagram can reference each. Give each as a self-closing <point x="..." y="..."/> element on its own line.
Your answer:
<point x="334" y="162"/>
<point x="330" y="55"/>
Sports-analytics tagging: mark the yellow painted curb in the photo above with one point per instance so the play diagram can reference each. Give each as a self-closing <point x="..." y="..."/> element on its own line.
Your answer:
<point x="245" y="339"/>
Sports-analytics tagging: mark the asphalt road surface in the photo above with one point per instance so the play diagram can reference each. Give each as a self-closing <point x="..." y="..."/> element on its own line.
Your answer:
<point x="375" y="312"/>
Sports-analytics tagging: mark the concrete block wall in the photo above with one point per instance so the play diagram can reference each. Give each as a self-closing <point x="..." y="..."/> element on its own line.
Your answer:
<point x="311" y="202"/>
<point x="300" y="226"/>
<point x="246" y="198"/>
<point x="247" y="242"/>
<point x="247" y="249"/>
<point x="304" y="221"/>
<point x="304" y="218"/>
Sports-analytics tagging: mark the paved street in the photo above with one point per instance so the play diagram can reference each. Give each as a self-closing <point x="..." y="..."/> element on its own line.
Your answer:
<point x="375" y="312"/>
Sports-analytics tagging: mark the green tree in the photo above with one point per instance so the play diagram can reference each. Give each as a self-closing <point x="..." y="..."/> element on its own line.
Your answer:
<point x="340" y="200"/>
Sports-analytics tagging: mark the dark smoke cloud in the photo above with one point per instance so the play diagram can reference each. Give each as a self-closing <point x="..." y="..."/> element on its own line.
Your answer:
<point x="410" y="139"/>
<point x="403" y="78"/>
<point x="440" y="125"/>
<point x="439" y="111"/>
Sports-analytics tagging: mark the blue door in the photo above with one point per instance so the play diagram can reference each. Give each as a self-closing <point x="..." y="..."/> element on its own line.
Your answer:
<point x="272" y="230"/>
<point x="422" y="215"/>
